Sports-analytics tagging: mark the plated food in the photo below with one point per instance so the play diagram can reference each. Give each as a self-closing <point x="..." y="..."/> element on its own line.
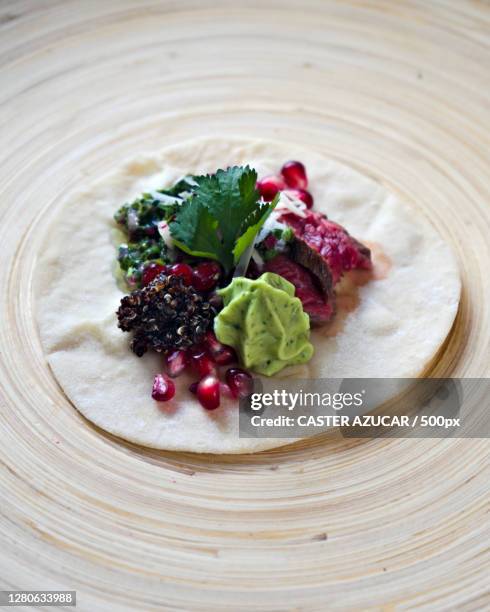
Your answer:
<point x="227" y="261"/>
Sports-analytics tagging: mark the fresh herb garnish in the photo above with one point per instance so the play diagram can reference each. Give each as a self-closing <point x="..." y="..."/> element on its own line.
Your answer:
<point x="274" y="243"/>
<point x="222" y="215"/>
<point x="134" y="255"/>
<point x="140" y="217"/>
<point x="213" y="216"/>
<point x="139" y="220"/>
<point x="185" y="185"/>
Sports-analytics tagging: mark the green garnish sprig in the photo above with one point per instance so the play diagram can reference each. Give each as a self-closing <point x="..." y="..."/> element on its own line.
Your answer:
<point x="222" y="216"/>
<point x="140" y="217"/>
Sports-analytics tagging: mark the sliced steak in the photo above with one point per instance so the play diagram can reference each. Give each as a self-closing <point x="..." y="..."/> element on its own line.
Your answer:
<point x="319" y="305"/>
<point x="303" y="254"/>
<point x="341" y="251"/>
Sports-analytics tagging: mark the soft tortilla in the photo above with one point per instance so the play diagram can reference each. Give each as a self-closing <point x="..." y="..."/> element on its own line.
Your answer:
<point x="398" y="326"/>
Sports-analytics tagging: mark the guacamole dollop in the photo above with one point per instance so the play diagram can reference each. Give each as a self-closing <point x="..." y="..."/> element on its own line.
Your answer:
<point x="264" y="323"/>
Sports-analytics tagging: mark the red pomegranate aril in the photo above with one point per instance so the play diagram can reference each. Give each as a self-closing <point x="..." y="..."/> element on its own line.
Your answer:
<point x="294" y="174"/>
<point x="269" y="186"/>
<point x="196" y="350"/>
<point x="206" y="275"/>
<point x="239" y="381"/>
<point x="163" y="388"/>
<point x="208" y="392"/>
<point x="151" y="271"/>
<point x="270" y="241"/>
<point x="212" y="343"/>
<point x="221" y="353"/>
<point x="176" y="362"/>
<point x="225" y="390"/>
<point x="193" y="387"/>
<point x="203" y="364"/>
<point x="301" y="194"/>
<point x="226" y="357"/>
<point x="182" y="269"/>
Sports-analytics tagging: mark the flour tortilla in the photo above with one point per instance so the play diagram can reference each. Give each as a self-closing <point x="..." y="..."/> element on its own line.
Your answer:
<point x="400" y="322"/>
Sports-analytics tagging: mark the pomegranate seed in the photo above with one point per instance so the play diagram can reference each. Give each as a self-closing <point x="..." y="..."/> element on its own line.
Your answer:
<point x="151" y="271"/>
<point x="269" y="186"/>
<point x="270" y="241"/>
<point x="208" y="392"/>
<point x="221" y="353"/>
<point x="196" y="350"/>
<point x="301" y="194"/>
<point x="205" y="275"/>
<point x="239" y="381"/>
<point x="163" y="388"/>
<point x="294" y="175"/>
<point x="226" y="357"/>
<point x="184" y="270"/>
<point x="176" y="362"/>
<point x="202" y="363"/>
<point x="152" y="232"/>
<point x="193" y="387"/>
<point x="213" y="345"/>
<point x="225" y="390"/>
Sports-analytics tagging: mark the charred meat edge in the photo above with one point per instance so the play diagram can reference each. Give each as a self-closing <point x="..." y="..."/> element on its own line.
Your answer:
<point x="301" y="253"/>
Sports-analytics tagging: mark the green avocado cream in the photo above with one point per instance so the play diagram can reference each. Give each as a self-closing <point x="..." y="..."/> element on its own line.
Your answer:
<point x="264" y="323"/>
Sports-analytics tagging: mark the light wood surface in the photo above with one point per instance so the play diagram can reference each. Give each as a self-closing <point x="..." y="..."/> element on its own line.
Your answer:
<point x="400" y="90"/>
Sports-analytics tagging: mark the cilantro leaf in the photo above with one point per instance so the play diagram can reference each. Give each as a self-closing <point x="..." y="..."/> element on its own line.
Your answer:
<point x="194" y="230"/>
<point x="185" y="184"/>
<point x="253" y="223"/>
<point x="225" y="206"/>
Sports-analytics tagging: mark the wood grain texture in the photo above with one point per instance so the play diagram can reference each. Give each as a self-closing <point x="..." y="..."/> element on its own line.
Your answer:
<point x="401" y="91"/>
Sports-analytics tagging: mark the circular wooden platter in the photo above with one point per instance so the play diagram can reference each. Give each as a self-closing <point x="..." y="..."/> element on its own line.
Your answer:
<point x="399" y="90"/>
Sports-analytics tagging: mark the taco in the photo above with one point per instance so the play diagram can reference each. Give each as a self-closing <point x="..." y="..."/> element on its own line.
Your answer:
<point x="164" y="288"/>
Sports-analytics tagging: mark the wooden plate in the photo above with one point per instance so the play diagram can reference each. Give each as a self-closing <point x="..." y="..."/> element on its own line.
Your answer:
<point x="397" y="89"/>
